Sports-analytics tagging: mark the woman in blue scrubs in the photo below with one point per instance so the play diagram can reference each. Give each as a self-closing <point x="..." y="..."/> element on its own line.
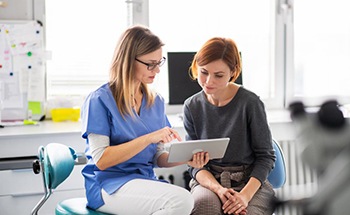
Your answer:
<point x="125" y="127"/>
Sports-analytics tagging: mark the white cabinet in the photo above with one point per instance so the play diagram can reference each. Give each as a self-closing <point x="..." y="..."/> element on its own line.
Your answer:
<point x="20" y="188"/>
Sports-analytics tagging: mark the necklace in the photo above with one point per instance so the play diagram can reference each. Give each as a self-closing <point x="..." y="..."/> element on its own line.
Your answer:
<point x="135" y="102"/>
<point x="137" y="98"/>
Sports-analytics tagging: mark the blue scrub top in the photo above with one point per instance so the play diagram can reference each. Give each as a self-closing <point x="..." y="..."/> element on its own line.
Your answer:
<point x="100" y="115"/>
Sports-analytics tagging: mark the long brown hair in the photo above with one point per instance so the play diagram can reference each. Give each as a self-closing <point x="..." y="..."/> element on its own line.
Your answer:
<point x="218" y="48"/>
<point x="135" y="41"/>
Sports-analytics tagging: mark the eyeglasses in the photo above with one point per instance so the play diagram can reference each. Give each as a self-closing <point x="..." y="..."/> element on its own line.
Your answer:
<point x="152" y="66"/>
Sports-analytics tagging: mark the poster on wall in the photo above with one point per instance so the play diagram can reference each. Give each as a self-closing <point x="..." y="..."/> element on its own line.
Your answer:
<point x="22" y="70"/>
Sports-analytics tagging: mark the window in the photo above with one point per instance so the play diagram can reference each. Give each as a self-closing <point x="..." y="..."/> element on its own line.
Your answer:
<point x="82" y="44"/>
<point x="82" y="37"/>
<point x="321" y="52"/>
<point x="284" y="59"/>
<point x="185" y="25"/>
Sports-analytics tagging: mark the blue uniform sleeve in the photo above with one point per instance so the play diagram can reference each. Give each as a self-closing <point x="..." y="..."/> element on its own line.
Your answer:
<point x="95" y="116"/>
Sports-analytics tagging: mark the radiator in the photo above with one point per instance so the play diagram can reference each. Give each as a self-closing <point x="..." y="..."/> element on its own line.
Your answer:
<point x="301" y="180"/>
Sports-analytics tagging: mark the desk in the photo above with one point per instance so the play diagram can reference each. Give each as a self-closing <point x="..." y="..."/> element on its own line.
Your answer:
<point x="20" y="141"/>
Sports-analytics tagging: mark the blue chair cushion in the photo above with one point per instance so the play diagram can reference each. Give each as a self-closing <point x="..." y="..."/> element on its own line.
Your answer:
<point x="58" y="163"/>
<point x="75" y="206"/>
<point x="277" y="177"/>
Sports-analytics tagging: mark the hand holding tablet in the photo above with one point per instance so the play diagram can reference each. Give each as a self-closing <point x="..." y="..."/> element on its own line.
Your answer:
<point x="184" y="150"/>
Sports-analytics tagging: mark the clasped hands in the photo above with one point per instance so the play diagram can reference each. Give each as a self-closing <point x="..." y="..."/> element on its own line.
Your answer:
<point x="233" y="202"/>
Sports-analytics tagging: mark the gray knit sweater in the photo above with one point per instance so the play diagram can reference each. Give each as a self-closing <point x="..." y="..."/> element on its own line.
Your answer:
<point x="243" y="120"/>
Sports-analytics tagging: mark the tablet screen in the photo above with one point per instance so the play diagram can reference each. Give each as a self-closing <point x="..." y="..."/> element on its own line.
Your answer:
<point x="183" y="151"/>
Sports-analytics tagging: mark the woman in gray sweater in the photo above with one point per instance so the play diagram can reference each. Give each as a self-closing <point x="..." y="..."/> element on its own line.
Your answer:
<point x="237" y="183"/>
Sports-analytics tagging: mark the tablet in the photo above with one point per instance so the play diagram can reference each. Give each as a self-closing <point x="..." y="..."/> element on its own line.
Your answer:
<point x="184" y="150"/>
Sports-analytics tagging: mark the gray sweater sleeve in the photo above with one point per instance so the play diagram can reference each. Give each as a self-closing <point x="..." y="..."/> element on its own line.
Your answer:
<point x="243" y="120"/>
<point x="260" y="142"/>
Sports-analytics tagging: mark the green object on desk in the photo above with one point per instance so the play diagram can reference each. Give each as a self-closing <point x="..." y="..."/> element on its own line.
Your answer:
<point x="29" y="122"/>
<point x="19" y="123"/>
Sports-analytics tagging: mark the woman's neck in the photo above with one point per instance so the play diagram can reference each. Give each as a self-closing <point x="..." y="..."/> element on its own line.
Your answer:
<point x="223" y="97"/>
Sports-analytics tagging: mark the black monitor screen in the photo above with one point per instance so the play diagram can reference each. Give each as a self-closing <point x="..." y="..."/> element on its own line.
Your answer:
<point x="181" y="86"/>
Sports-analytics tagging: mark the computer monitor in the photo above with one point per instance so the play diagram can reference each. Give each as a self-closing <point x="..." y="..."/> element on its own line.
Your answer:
<point x="181" y="86"/>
